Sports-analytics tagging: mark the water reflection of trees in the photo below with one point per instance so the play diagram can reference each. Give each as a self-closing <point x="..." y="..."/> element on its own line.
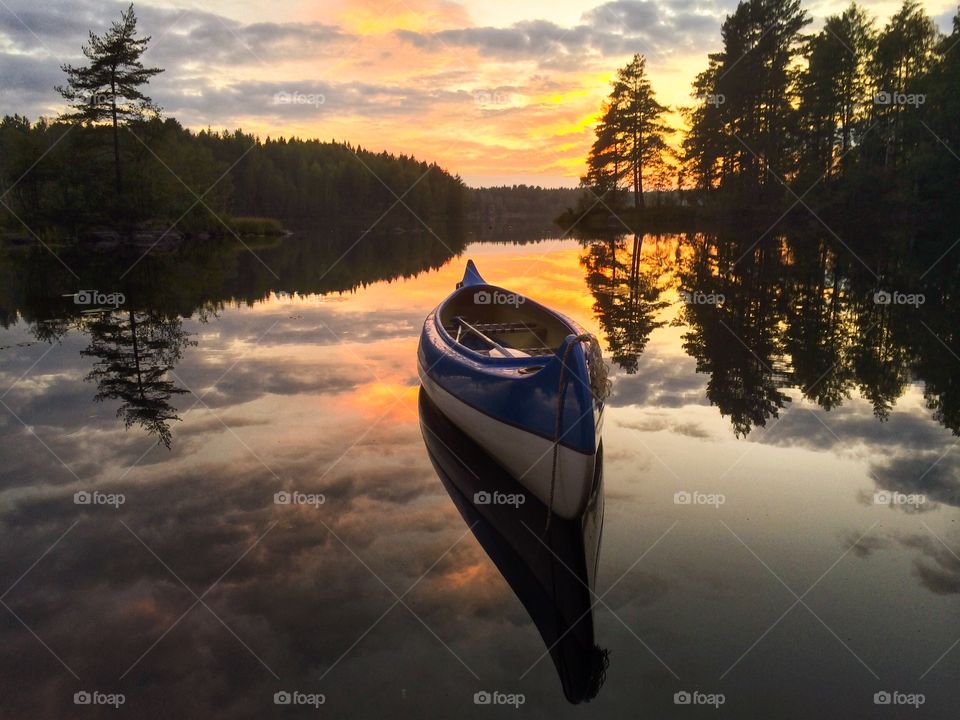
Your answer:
<point x="329" y="259"/>
<point x="786" y="312"/>
<point x="734" y="317"/>
<point x="135" y="351"/>
<point x="137" y="348"/>
<point x="626" y="294"/>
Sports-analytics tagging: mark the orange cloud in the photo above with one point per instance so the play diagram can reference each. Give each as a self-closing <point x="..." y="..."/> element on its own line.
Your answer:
<point x="375" y="17"/>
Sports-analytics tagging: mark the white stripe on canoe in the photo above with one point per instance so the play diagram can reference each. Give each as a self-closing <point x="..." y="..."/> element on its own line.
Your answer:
<point x="526" y="456"/>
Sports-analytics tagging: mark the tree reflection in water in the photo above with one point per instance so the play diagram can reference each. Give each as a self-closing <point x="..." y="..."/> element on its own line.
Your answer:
<point x="626" y="294"/>
<point x="137" y="347"/>
<point x="785" y="312"/>
<point x="135" y="350"/>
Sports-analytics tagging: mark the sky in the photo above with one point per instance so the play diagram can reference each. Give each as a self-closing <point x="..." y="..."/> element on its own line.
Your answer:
<point x="499" y="91"/>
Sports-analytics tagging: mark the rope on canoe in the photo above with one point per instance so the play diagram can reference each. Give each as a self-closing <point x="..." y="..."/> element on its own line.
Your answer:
<point x="599" y="387"/>
<point x="600" y="383"/>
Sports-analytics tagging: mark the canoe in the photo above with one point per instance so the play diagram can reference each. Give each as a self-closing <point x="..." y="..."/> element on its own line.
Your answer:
<point x="550" y="567"/>
<point x="523" y="381"/>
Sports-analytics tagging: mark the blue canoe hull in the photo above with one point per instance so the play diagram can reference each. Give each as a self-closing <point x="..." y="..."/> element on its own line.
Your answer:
<point x="509" y="405"/>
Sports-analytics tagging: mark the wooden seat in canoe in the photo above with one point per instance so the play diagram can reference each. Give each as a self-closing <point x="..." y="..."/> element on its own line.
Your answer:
<point x="501" y="339"/>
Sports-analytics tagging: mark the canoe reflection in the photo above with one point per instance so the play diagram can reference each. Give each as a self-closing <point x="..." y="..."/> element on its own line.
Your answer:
<point x="550" y="566"/>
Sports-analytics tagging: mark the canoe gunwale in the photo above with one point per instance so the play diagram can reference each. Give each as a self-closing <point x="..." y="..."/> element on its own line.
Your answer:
<point x="494" y="361"/>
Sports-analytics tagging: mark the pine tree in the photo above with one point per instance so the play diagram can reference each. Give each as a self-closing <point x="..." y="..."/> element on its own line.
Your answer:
<point x="109" y="87"/>
<point x="905" y="53"/>
<point x="706" y="147"/>
<point x="833" y="89"/>
<point x="630" y="136"/>
<point x="751" y="85"/>
<point x="642" y="124"/>
<point x="607" y="162"/>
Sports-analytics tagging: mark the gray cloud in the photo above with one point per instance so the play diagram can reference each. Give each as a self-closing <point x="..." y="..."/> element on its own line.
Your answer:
<point x="293" y="99"/>
<point x="850" y="423"/>
<point x="656" y="423"/>
<point x="612" y="29"/>
<point x="189" y="45"/>
<point x="190" y="35"/>
<point x="27" y="74"/>
<point x="864" y="546"/>
<point x="27" y="85"/>
<point x="905" y="453"/>
<point x="29" y="82"/>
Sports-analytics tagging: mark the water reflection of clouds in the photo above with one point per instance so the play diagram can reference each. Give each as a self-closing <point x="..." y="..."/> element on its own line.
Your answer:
<point x="285" y="599"/>
<point x="922" y="471"/>
<point x="865" y="547"/>
<point x="934" y="563"/>
<point x="843" y="427"/>
<point x="245" y="359"/>
<point x="200" y="511"/>
<point x="659" y="423"/>
<point x="938" y="568"/>
<point x="661" y="381"/>
<point x="906" y="453"/>
<point x="111" y="599"/>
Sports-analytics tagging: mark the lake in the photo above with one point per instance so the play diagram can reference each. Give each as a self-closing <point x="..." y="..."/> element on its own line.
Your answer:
<point x="781" y="481"/>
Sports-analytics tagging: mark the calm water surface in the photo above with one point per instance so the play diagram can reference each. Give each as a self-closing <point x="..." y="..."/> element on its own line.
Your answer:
<point x="813" y="430"/>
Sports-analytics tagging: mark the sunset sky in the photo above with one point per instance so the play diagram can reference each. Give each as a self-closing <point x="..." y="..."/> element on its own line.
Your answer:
<point x="499" y="91"/>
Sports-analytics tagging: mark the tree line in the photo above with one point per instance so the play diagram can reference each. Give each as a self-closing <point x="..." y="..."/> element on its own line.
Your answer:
<point x="506" y="201"/>
<point x="855" y="114"/>
<point x="61" y="176"/>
